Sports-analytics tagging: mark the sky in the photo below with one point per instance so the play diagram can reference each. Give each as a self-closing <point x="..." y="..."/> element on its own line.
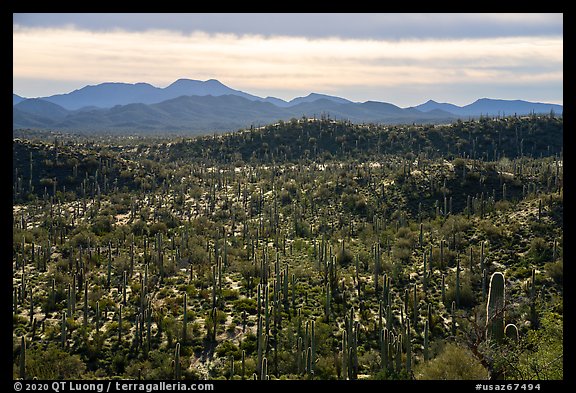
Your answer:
<point x="403" y="59"/>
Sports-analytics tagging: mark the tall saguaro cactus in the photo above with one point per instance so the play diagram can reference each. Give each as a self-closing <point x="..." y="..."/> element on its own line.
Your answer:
<point x="120" y="325"/>
<point x="532" y="292"/>
<point x="109" y="271"/>
<point x="63" y="335"/>
<point x="453" y="312"/>
<point x="495" y="308"/>
<point x="86" y="304"/>
<point x="426" y="340"/>
<point x="408" y="348"/>
<point x="177" y="362"/>
<point x="458" y="283"/>
<point x="22" y="373"/>
<point x="185" y="322"/>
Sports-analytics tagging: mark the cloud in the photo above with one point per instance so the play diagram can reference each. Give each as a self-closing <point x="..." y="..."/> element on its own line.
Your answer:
<point x="390" y="26"/>
<point x="257" y="62"/>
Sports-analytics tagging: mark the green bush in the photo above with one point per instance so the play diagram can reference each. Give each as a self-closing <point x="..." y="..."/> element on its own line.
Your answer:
<point x="453" y="363"/>
<point x="158" y="227"/>
<point x="139" y="228"/>
<point x="245" y="304"/>
<point x="102" y="225"/>
<point x="53" y="363"/>
<point x="344" y="257"/>
<point x="539" y="250"/>
<point x="555" y="271"/>
<point x="226" y="349"/>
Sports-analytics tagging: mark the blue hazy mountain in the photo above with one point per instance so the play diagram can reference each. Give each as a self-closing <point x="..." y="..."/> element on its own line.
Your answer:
<point x="16" y="99"/>
<point x="42" y="108"/>
<point x="276" y="101"/>
<point x="37" y="113"/>
<point x="508" y="107"/>
<point x="208" y="106"/>
<point x="431" y="105"/>
<point x="206" y="114"/>
<point x="315" y="97"/>
<point x="493" y="107"/>
<point x="107" y="95"/>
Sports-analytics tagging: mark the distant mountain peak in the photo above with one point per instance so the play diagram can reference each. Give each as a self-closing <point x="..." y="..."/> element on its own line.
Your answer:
<point x="182" y="81"/>
<point x="187" y="81"/>
<point x="318" y="96"/>
<point x="16" y="99"/>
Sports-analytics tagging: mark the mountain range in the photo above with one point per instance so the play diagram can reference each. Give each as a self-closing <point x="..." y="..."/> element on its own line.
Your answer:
<point x="203" y="107"/>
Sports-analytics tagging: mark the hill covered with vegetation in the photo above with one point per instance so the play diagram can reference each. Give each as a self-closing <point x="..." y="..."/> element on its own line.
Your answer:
<point x="307" y="249"/>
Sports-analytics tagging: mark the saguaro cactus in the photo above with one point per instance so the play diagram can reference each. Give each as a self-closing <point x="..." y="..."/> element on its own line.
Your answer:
<point x="399" y="353"/>
<point x="120" y="325"/>
<point x="243" y="364"/>
<point x="495" y="308"/>
<point x="458" y="283"/>
<point x="425" y="274"/>
<point x="97" y="317"/>
<point x="408" y="348"/>
<point x="511" y="331"/>
<point x="482" y="256"/>
<point x="177" y="362"/>
<point x="533" y="313"/>
<point x="312" y="347"/>
<point x="453" y="318"/>
<point x="185" y="322"/>
<point x="214" y="323"/>
<point x="259" y="344"/>
<point x="264" y="369"/>
<point x="31" y="306"/>
<point x="231" y="368"/>
<point x="426" y="329"/>
<point x="484" y="274"/>
<point x="344" y="354"/>
<point x="309" y="362"/>
<point x="421" y="237"/>
<point x="63" y="335"/>
<point x="109" y="271"/>
<point x="22" y="373"/>
<point x="443" y="288"/>
<point x="86" y="304"/>
<point x="384" y="348"/>
<point x="327" y="303"/>
<point x="415" y="309"/>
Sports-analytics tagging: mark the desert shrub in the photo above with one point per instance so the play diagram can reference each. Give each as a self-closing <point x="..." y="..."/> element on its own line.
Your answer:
<point x="325" y="368"/>
<point x="491" y="231"/>
<point x="53" y="363"/>
<point x="245" y="304"/>
<point x="555" y="271"/>
<point x="344" y="257"/>
<point x="285" y="198"/>
<point x="227" y="348"/>
<point x="453" y="363"/>
<point x="158" y="227"/>
<point x="402" y="249"/>
<point x="539" y="250"/>
<point x="139" y="228"/>
<point x="102" y="225"/>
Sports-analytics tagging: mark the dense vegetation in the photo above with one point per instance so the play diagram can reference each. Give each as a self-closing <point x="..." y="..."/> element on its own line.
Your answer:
<point x="309" y="249"/>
